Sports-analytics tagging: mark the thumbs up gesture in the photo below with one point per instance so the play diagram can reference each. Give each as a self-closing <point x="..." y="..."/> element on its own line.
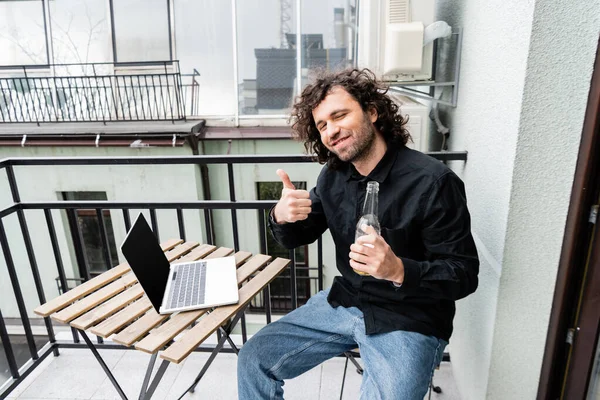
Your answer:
<point x="294" y="205"/>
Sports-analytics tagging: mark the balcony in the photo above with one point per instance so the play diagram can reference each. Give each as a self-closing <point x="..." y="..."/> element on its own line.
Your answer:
<point x="49" y="246"/>
<point x="97" y="92"/>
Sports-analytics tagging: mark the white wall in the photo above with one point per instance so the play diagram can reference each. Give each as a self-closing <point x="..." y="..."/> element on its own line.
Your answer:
<point x="521" y="129"/>
<point x="485" y="123"/>
<point x="563" y="46"/>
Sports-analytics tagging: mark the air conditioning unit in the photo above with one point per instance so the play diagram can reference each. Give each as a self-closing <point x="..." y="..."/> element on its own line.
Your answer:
<point x="395" y="38"/>
<point x="418" y="121"/>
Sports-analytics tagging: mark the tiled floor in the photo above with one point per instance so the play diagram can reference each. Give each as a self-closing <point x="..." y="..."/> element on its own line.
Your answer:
<point x="76" y="374"/>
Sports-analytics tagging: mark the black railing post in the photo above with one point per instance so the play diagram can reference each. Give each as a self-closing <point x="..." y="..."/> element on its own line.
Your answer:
<point x="236" y="239"/>
<point x="263" y="249"/>
<point x="8" y="350"/>
<point x="154" y="223"/>
<point x="104" y="238"/>
<point x="293" y="279"/>
<point x="126" y="219"/>
<point x="78" y="243"/>
<point x="28" y="246"/>
<point x="320" y="262"/>
<point x="17" y="290"/>
<point x="59" y="264"/>
<point x="180" y="224"/>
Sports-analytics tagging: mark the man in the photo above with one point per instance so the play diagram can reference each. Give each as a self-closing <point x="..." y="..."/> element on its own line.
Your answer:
<point x="400" y="315"/>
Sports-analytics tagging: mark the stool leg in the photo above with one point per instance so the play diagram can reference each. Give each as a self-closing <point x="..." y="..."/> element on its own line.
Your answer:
<point x="344" y="378"/>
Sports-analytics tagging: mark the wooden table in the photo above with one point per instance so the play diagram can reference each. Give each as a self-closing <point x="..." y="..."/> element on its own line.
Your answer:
<point x="114" y="304"/>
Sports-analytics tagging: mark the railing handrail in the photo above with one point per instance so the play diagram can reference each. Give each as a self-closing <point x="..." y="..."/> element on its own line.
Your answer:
<point x="117" y="64"/>
<point x="196" y="159"/>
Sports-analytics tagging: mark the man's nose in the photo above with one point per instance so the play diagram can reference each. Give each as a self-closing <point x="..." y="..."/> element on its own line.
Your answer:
<point x="332" y="129"/>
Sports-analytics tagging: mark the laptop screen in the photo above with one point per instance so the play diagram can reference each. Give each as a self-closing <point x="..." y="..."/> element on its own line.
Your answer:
<point x="147" y="260"/>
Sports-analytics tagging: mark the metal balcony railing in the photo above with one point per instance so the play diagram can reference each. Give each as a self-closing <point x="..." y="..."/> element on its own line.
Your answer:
<point x="97" y="92"/>
<point x="21" y="209"/>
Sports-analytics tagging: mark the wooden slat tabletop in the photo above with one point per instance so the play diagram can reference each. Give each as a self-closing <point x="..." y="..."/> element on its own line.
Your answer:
<point x="114" y="304"/>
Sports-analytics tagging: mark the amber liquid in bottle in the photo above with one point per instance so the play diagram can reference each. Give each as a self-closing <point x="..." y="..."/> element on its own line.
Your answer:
<point x="369" y="214"/>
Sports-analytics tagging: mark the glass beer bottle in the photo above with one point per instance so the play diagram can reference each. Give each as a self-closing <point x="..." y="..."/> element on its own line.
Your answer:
<point x="369" y="214"/>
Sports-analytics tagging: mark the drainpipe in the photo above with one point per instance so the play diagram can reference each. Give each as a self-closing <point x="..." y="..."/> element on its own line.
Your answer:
<point x="196" y="145"/>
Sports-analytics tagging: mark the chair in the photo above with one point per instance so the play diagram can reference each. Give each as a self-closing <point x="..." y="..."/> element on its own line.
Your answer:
<point x="350" y="356"/>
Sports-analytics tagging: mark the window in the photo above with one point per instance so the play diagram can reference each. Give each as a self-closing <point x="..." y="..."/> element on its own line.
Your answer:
<point x="266" y="61"/>
<point x="80" y="32"/>
<point x="141" y="30"/>
<point x="281" y="300"/>
<point x="89" y="234"/>
<point x="207" y="47"/>
<point x="328" y="35"/>
<point x="22" y="33"/>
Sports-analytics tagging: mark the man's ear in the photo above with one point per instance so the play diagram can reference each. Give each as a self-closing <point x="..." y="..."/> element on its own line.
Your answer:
<point x="373" y="114"/>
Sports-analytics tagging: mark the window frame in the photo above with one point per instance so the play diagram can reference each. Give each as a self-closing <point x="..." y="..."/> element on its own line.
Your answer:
<point x="113" y="35"/>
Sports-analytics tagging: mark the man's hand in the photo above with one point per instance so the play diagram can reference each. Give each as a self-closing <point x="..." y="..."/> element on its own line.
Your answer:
<point x="294" y="205"/>
<point x="371" y="254"/>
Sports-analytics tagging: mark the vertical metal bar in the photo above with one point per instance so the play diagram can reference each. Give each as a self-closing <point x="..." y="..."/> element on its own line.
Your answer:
<point x="85" y="98"/>
<point x="149" y="370"/>
<point x="236" y="239"/>
<point x="103" y="365"/>
<point x="154" y="95"/>
<point x="47" y="32"/>
<point x="5" y="102"/>
<point x="126" y="96"/>
<point x="293" y="279"/>
<point x="208" y="227"/>
<point x="263" y="249"/>
<point x="22" y="99"/>
<point x="134" y="99"/>
<point x="126" y="219"/>
<point x="154" y="223"/>
<point x="78" y="243"/>
<point x="457" y="67"/>
<point x="299" y="46"/>
<point x="169" y="92"/>
<point x="17" y="289"/>
<point x="106" y="100"/>
<point x="29" y="247"/>
<point x="59" y="264"/>
<point x="10" y="355"/>
<point x="112" y="27"/>
<point x="169" y="18"/>
<point x="320" y="262"/>
<point x="105" y="247"/>
<point x="72" y="101"/>
<point x="148" y="96"/>
<point x="162" y="99"/>
<point x="141" y="97"/>
<point x="236" y="78"/>
<point x="180" y="224"/>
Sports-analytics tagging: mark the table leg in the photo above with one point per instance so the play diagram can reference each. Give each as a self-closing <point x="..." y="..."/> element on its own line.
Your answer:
<point x="225" y="336"/>
<point x="159" y="374"/>
<point x="102" y="364"/>
<point x="147" y="376"/>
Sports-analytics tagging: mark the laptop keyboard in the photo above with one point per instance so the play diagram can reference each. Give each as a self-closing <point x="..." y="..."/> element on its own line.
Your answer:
<point x="188" y="286"/>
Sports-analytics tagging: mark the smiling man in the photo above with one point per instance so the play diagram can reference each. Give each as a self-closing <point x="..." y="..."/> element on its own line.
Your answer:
<point x="399" y="315"/>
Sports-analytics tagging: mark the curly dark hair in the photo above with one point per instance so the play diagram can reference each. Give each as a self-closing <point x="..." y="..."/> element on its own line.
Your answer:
<point x="364" y="87"/>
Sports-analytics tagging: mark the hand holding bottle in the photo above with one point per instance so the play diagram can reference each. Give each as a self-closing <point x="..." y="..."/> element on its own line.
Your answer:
<point x="371" y="255"/>
<point x="294" y="205"/>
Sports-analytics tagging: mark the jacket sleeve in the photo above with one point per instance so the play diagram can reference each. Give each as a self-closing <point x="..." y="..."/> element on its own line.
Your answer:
<point x="451" y="266"/>
<point x="292" y="235"/>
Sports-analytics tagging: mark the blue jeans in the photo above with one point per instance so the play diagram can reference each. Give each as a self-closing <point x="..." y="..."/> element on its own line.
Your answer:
<point x="397" y="365"/>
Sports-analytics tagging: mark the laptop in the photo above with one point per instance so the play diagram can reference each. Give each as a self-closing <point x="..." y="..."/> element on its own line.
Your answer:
<point x="179" y="286"/>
